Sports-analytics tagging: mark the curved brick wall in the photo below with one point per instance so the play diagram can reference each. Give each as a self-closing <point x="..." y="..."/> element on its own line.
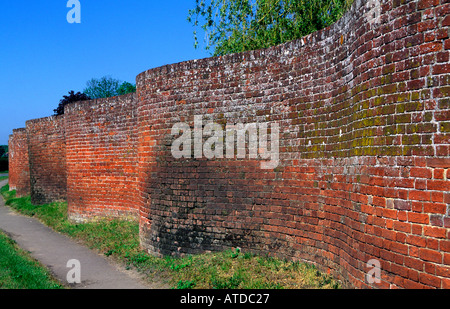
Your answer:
<point x="19" y="168"/>
<point x="363" y="113"/>
<point x="101" y="138"/>
<point x="47" y="159"/>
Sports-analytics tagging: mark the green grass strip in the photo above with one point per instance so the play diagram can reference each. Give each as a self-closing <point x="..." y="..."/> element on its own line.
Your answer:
<point x="18" y="270"/>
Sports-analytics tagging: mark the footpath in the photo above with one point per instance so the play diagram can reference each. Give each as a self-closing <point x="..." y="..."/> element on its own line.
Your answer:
<point x="55" y="250"/>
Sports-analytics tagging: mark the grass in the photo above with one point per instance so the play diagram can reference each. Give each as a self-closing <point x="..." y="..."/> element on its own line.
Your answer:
<point x="230" y="269"/>
<point x="18" y="270"/>
<point x="233" y="269"/>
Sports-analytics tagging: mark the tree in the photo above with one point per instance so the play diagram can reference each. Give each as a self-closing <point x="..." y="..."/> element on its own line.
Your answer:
<point x="239" y="25"/>
<point x="72" y="97"/>
<point x="106" y="87"/>
<point x="125" y="88"/>
<point x="3" y="151"/>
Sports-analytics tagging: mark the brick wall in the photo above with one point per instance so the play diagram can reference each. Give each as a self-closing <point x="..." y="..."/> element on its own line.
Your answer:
<point x="101" y="139"/>
<point x="19" y="170"/>
<point x="363" y="113"/>
<point x="47" y="158"/>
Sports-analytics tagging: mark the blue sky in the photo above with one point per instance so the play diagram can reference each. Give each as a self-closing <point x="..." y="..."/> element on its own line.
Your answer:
<point x="42" y="56"/>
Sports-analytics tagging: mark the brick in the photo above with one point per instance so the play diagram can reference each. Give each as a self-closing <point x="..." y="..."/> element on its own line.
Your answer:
<point x="409" y="284"/>
<point x="447" y="222"/>
<point x="417" y="241"/>
<point x="436" y="220"/>
<point x="437" y="197"/>
<point x="438" y="162"/>
<point x="436" y="208"/>
<point x="430" y="280"/>
<point x="430" y="47"/>
<point x="445" y="245"/>
<point x="423" y="4"/>
<point x="416" y="229"/>
<point x="441" y="68"/>
<point x="430" y="255"/>
<point x="421" y="172"/>
<point x="414" y="263"/>
<point x="443" y="271"/>
<point x="420" y="184"/>
<point x="418" y="218"/>
<point x="402" y="205"/>
<point x="446" y="21"/>
<point x="399" y="248"/>
<point x="436" y="232"/>
<point x="440" y="185"/>
<point x="420" y="195"/>
<point x="402" y="226"/>
<point x="446" y="258"/>
<point x="445" y="283"/>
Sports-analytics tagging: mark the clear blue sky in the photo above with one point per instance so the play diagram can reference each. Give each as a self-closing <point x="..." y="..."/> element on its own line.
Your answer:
<point x="42" y="56"/>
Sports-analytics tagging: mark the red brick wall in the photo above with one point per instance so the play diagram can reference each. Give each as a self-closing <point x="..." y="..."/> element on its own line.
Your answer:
<point x="47" y="158"/>
<point x="101" y="138"/>
<point x="19" y="170"/>
<point x="363" y="113"/>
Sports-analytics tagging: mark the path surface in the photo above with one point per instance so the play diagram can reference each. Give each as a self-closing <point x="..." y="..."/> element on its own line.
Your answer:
<point x="54" y="250"/>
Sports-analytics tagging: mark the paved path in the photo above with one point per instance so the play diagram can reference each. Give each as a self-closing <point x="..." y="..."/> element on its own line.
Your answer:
<point x="54" y="250"/>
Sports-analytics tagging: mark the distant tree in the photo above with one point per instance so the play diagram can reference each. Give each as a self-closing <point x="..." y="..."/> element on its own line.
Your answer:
<point x="72" y="97"/>
<point x="3" y="150"/>
<point x="125" y="88"/>
<point x="106" y="87"/>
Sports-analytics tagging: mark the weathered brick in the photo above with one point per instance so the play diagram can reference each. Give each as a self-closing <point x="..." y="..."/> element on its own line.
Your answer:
<point x="423" y="4"/>
<point x="430" y="255"/>
<point x="436" y="232"/>
<point x="421" y="172"/>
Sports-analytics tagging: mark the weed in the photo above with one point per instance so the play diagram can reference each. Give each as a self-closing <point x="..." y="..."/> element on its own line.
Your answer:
<point x="18" y="270"/>
<point x="188" y="284"/>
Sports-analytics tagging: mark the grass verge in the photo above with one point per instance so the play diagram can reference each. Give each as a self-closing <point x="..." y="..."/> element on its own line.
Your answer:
<point x="231" y="269"/>
<point x="18" y="270"/>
